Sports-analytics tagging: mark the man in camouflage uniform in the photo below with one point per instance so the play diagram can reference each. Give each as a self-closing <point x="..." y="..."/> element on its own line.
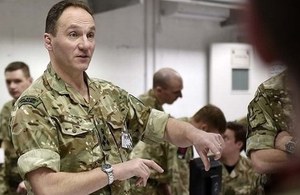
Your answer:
<point x="67" y="125"/>
<point x="270" y="129"/>
<point x="277" y="40"/>
<point x="210" y="119"/>
<point x="238" y="177"/>
<point x="18" y="79"/>
<point x="167" y="86"/>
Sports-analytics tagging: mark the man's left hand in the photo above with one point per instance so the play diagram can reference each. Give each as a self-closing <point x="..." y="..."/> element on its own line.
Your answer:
<point x="208" y="144"/>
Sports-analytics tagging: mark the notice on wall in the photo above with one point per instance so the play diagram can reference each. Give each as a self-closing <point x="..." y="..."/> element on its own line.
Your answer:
<point x="240" y="58"/>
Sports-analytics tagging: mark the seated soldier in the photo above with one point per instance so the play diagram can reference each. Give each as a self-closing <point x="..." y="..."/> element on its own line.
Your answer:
<point x="174" y="160"/>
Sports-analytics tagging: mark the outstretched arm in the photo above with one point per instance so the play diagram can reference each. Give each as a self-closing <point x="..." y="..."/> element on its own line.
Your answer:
<point x="184" y="134"/>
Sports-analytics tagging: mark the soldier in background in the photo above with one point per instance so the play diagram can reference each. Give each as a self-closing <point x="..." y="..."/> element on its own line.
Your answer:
<point x="270" y="129"/>
<point x="167" y="87"/>
<point x="18" y="79"/>
<point x="238" y="177"/>
<point x="175" y="160"/>
<point x="272" y="31"/>
<point x="209" y="118"/>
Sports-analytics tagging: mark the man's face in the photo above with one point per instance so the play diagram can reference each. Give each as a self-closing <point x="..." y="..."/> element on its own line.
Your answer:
<point x="16" y="82"/>
<point x="206" y="127"/>
<point x="72" y="48"/>
<point x="173" y="91"/>
<point x="231" y="146"/>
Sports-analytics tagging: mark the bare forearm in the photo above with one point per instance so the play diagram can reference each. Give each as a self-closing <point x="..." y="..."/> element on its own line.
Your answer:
<point x="45" y="181"/>
<point x="176" y="132"/>
<point x="269" y="160"/>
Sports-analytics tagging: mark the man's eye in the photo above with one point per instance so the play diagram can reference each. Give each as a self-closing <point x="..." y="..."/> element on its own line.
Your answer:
<point x="73" y="35"/>
<point x="91" y="35"/>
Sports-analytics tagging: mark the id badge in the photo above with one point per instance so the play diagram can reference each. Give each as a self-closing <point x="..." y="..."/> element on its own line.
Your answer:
<point x="126" y="140"/>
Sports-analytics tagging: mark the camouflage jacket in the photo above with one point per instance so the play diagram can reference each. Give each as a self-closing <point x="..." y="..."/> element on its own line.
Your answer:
<point x="268" y="113"/>
<point x="164" y="154"/>
<point x="242" y="180"/>
<point x="181" y="180"/>
<point x="150" y="100"/>
<point x="4" y="120"/>
<point x="11" y="173"/>
<point x="54" y="127"/>
<point x="4" y="130"/>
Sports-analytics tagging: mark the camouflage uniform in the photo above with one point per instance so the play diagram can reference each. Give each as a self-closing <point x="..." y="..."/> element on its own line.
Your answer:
<point x="3" y="128"/>
<point x="54" y="127"/>
<point x="163" y="154"/>
<point x="242" y="180"/>
<point x="149" y="100"/>
<point x="11" y="174"/>
<point x="269" y="113"/>
<point x="181" y="181"/>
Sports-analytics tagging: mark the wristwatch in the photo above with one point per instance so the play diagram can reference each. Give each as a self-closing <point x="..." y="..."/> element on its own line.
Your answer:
<point x="291" y="146"/>
<point x="107" y="168"/>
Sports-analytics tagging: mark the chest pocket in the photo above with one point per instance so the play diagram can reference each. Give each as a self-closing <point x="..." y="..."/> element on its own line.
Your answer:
<point x="78" y="128"/>
<point x="75" y="126"/>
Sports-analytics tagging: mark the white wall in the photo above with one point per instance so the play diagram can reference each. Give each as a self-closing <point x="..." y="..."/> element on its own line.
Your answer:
<point x="22" y="27"/>
<point x="183" y="44"/>
<point x="233" y="103"/>
<point x="119" y="56"/>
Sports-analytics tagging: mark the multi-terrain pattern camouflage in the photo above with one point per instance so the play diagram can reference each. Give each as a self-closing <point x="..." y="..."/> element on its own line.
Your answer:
<point x="164" y="154"/>
<point x="181" y="181"/>
<point x="54" y="127"/>
<point x="11" y="173"/>
<point x="268" y="113"/>
<point x="242" y="180"/>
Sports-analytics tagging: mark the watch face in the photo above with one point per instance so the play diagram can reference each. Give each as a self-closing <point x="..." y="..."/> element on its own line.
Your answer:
<point x="107" y="167"/>
<point x="291" y="147"/>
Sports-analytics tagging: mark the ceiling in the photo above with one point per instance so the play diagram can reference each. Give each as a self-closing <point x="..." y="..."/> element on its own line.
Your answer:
<point x="223" y="11"/>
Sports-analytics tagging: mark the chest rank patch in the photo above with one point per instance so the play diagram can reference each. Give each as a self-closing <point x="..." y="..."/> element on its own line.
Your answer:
<point x="29" y="100"/>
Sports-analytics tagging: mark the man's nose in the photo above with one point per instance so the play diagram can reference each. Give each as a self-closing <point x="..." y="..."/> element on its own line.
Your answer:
<point x="180" y="94"/>
<point x="12" y="85"/>
<point x="84" y="43"/>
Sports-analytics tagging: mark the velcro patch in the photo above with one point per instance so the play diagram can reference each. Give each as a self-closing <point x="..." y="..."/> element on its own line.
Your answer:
<point x="29" y="100"/>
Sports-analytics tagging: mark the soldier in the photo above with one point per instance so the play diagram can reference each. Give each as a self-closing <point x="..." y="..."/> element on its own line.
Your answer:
<point x="18" y="79"/>
<point x="174" y="160"/>
<point x="270" y="120"/>
<point x="210" y="119"/>
<point x="274" y="35"/>
<point x="238" y="177"/>
<point x="167" y="86"/>
<point x="73" y="134"/>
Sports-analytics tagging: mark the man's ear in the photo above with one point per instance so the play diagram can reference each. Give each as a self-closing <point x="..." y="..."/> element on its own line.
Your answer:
<point x="204" y="127"/>
<point x="30" y="79"/>
<point x="159" y="89"/>
<point x="47" y="41"/>
<point x="240" y="144"/>
<point x="258" y="35"/>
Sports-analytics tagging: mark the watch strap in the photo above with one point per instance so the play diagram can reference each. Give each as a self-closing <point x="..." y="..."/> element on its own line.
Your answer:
<point x="109" y="171"/>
